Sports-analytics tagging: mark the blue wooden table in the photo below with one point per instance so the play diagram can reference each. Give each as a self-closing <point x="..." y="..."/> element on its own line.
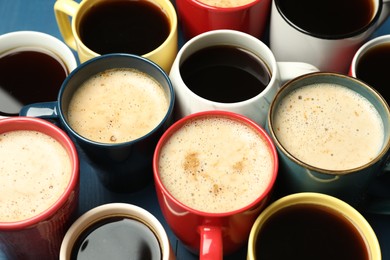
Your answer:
<point x="38" y="15"/>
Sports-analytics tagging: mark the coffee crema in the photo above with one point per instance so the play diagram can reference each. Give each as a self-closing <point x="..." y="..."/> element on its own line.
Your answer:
<point x="329" y="126"/>
<point x="35" y="170"/>
<point x="226" y="3"/>
<point x="117" y="105"/>
<point x="216" y="164"/>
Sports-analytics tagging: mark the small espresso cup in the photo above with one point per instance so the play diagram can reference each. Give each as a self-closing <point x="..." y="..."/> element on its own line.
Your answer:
<point x="39" y="183"/>
<point x="33" y="66"/>
<point x="326" y="34"/>
<point x="371" y="64"/>
<point x="116" y="107"/>
<point x="214" y="172"/>
<point x="332" y="135"/>
<point x="145" y="28"/>
<point x="116" y="231"/>
<point x="199" y="16"/>
<point x="312" y="225"/>
<point x="229" y="70"/>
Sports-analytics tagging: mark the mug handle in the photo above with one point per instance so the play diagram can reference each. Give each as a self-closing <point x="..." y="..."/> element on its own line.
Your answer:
<point x="45" y="110"/>
<point x="211" y="247"/>
<point x="290" y="70"/>
<point x="63" y="10"/>
<point x="384" y="14"/>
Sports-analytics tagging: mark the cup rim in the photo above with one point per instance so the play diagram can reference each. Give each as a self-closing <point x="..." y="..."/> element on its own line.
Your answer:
<point x="101" y="58"/>
<point x="321" y="199"/>
<point x="381" y="154"/>
<point x="201" y="38"/>
<point x="173" y="22"/>
<point x="383" y="39"/>
<point x="43" y="126"/>
<point x="110" y="210"/>
<point x="359" y="31"/>
<point x="215" y="113"/>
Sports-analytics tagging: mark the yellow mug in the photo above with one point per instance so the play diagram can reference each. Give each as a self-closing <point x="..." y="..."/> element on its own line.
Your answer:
<point x="70" y="14"/>
<point x="311" y="225"/>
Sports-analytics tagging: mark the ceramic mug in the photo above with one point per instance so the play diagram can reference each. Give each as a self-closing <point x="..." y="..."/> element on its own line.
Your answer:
<point x="39" y="187"/>
<point x="214" y="173"/>
<point x="32" y="67"/>
<point x="332" y="136"/>
<point x="109" y="25"/>
<point x="371" y="62"/>
<point x="326" y="35"/>
<point x="311" y="225"/>
<point x="114" y="129"/>
<point x="248" y="52"/>
<point x="199" y="16"/>
<point x="116" y="231"/>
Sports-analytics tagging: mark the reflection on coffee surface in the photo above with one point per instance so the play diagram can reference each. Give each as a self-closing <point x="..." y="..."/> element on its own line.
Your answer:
<point x="124" y="26"/>
<point x="35" y="170"/>
<point x="29" y="75"/>
<point x="226" y="3"/>
<point x="117" y="105"/>
<point x="373" y="68"/>
<point x="117" y="238"/>
<point x="225" y="74"/>
<point x="309" y="232"/>
<point x="328" y="18"/>
<point x="216" y="164"/>
<point x="329" y="126"/>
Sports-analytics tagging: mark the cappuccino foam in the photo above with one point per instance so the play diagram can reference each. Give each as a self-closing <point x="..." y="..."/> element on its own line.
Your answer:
<point x="329" y="126"/>
<point x="117" y="105"/>
<point x="226" y="3"/>
<point x="216" y="164"/>
<point x="35" y="170"/>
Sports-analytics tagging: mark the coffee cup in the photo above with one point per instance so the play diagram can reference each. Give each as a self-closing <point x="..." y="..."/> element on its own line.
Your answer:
<point x="246" y="82"/>
<point x="326" y="34"/>
<point x="371" y="63"/>
<point x="116" y="231"/>
<point x="39" y="183"/>
<point x="145" y="28"/>
<point x="199" y="16"/>
<point x="312" y="225"/>
<point x="332" y="136"/>
<point x="214" y="173"/>
<point x="32" y="67"/>
<point x="116" y="107"/>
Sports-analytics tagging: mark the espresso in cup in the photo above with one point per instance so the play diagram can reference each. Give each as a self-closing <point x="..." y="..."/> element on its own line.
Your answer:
<point x="29" y="75"/>
<point x="329" y="126"/>
<point x="225" y="73"/>
<point x="124" y="26"/>
<point x="117" y="105"/>
<point x="35" y="172"/>
<point x="216" y="164"/>
<point x="120" y="237"/>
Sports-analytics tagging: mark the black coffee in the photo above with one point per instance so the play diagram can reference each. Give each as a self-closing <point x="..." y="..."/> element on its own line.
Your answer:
<point x="124" y="26"/>
<point x="28" y="75"/>
<point x="373" y="68"/>
<point x="330" y="18"/>
<point x="225" y="74"/>
<point x="309" y="232"/>
<point x="117" y="238"/>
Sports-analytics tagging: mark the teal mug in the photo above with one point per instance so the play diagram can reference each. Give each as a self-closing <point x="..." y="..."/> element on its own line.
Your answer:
<point x="332" y="133"/>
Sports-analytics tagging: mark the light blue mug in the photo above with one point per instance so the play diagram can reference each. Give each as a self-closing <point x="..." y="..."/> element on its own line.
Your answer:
<point x="332" y="133"/>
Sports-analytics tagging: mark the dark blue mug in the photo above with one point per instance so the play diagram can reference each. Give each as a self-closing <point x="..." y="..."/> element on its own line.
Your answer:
<point x="124" y="166"/>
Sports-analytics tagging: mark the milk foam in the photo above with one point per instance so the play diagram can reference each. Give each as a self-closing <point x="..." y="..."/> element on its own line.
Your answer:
<point x="34" y="172"/>
<point x="226" y="3"/>
<point x="329" y="126"/>
<point x="216" y="165"/>
<point x="117" y="105"/>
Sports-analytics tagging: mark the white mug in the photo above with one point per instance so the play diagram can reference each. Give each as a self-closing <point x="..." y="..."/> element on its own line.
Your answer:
<point x="256" y="107"/>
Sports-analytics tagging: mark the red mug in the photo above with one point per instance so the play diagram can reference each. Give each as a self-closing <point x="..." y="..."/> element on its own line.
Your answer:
<point x="53" y="204"/>
<point x="197" y="17"/>
<point x="218" y="223"/>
